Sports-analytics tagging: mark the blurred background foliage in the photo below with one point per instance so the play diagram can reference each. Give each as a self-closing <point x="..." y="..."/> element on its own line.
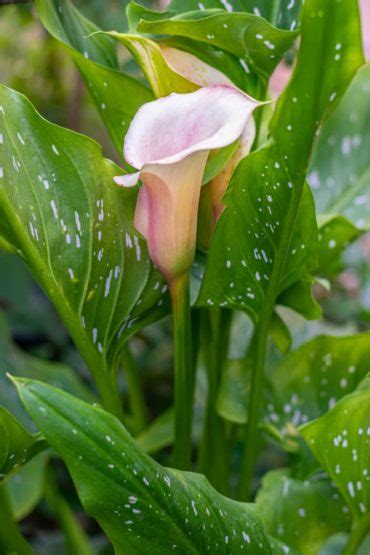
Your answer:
<point x="34" y="63"/>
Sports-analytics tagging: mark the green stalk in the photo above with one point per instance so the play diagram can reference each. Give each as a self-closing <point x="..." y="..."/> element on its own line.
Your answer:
<point x="180" y="299"/>
<point x="76" y="541"/>
<point x="360" y="528"/>
<point x="257" y="351"/>
<point x="214" y="449"/>
<point x="107" y="385"/>
<point x="136" y="395"/>
<point x="11" y="539"/>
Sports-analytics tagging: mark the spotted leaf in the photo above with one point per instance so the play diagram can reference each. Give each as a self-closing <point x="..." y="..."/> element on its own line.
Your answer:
<point x="245" y="35"/>
<point x="134" y="498"/>
<point x="17" y="445"/>
<point x="340" y="169"/>
<point x="340" y="440"/>
<point x="265" y="238"/>
<point x="282" y="13"/>
<point x="61" y="210"/>
<point x="302" y="513"/>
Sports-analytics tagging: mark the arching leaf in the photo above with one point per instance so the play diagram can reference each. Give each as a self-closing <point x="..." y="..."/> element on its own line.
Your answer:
<point x="340" y="440"/>
<point x="134" y="498"/>
<point x="303" y="514"/>
<point x="62" y="211"/>
<point x="264" y="240"/>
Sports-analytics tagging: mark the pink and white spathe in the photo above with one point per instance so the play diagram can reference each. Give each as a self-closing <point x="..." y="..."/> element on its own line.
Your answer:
<point x="168" y="142"/>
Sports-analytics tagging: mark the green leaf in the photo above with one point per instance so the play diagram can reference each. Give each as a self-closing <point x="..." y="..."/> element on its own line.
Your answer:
<point x="26" y="487"/>
<point x="72" y="28"/>
<point x="282" y="13"/>
<point x="340" y="440"/>
<point x="340" y="168"/>
<point x="116" y="96"/>
<point x="159" y="434"/>
<point x="265" y="239"/>
<point x="299" y="297"/>
<point x="313" y="378"/>
<point x="64" y="214"/>
<point x="245" y="35"/>
<point x="133" y="497"/>
<point x="234" y="391"/>
<point x="17" y="445"/>
<point x="280" y="333"/>
<point x="335" y="233"/>
<point x="305" y="384"/>
<point x="303" y="514"/>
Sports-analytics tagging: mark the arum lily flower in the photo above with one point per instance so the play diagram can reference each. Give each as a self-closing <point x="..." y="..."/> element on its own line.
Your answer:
<point x="168" y="142"/>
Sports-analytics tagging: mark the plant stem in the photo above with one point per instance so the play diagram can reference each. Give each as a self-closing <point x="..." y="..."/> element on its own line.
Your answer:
<point x="180" y="298"/>
<point x="359" y="530"/>
<point x="213" y="456"/>
<point x="76" y="540"/>
<point x="11" y="539"/>
<point x="107" y="384"/>
<point x="137" y="400"/>
<point x="258" y="350"/>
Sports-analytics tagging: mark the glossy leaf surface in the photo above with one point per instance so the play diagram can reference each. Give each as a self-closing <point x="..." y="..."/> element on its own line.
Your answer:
<point x="340" y="440"/>
<point x="134" y="498"/>
<point x="245" y="35"/>
<point x="303" y="514"/>
<point x="312" y="379"/>
<point x="340" y="169"/>
<point x="64" y="214"/>
<point x="17" y="445"/>
<point x="264" y="241"/>
<point x="282" y="13"/>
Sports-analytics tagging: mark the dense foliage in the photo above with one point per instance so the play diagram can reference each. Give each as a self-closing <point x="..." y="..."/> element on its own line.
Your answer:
<point x="252" y="432"/>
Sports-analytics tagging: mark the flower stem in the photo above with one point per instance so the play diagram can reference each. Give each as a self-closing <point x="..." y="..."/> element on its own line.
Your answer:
<point x="107" y="384"/>
<point x="359" y="530"/>
<point x="136" y="396"/>
<point x="180" y="298"/>
<point x="11" y="539"/>
<point x="257" y="351"/>
<point x="214" y="449"/>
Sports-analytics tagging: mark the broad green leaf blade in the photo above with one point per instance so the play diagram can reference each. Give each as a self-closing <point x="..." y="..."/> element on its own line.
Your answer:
<point x="303" y="514"/>
<point x="304" y="385"/>
<point x="340" y="440"/>
<point x="234" y="391"/>
<point x="26" y="487"/>
<point x="280" y="333"/>
<point x="335" y="233"/>
<point x="16" y="362"/>
<point x="62" y="211"/>
<point x="117" y="96"/>
<point x="340" y="168"/>
<point x="72" y="28"/>
<point x="313" y="378"/>
<point x="17" y="445"/>
<point x="281" y="13"/>
<point x="158" y="434"/>
<point x="262" y="243"/>
<point x="133" y="497"/>
<point x="244" y="35"/>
